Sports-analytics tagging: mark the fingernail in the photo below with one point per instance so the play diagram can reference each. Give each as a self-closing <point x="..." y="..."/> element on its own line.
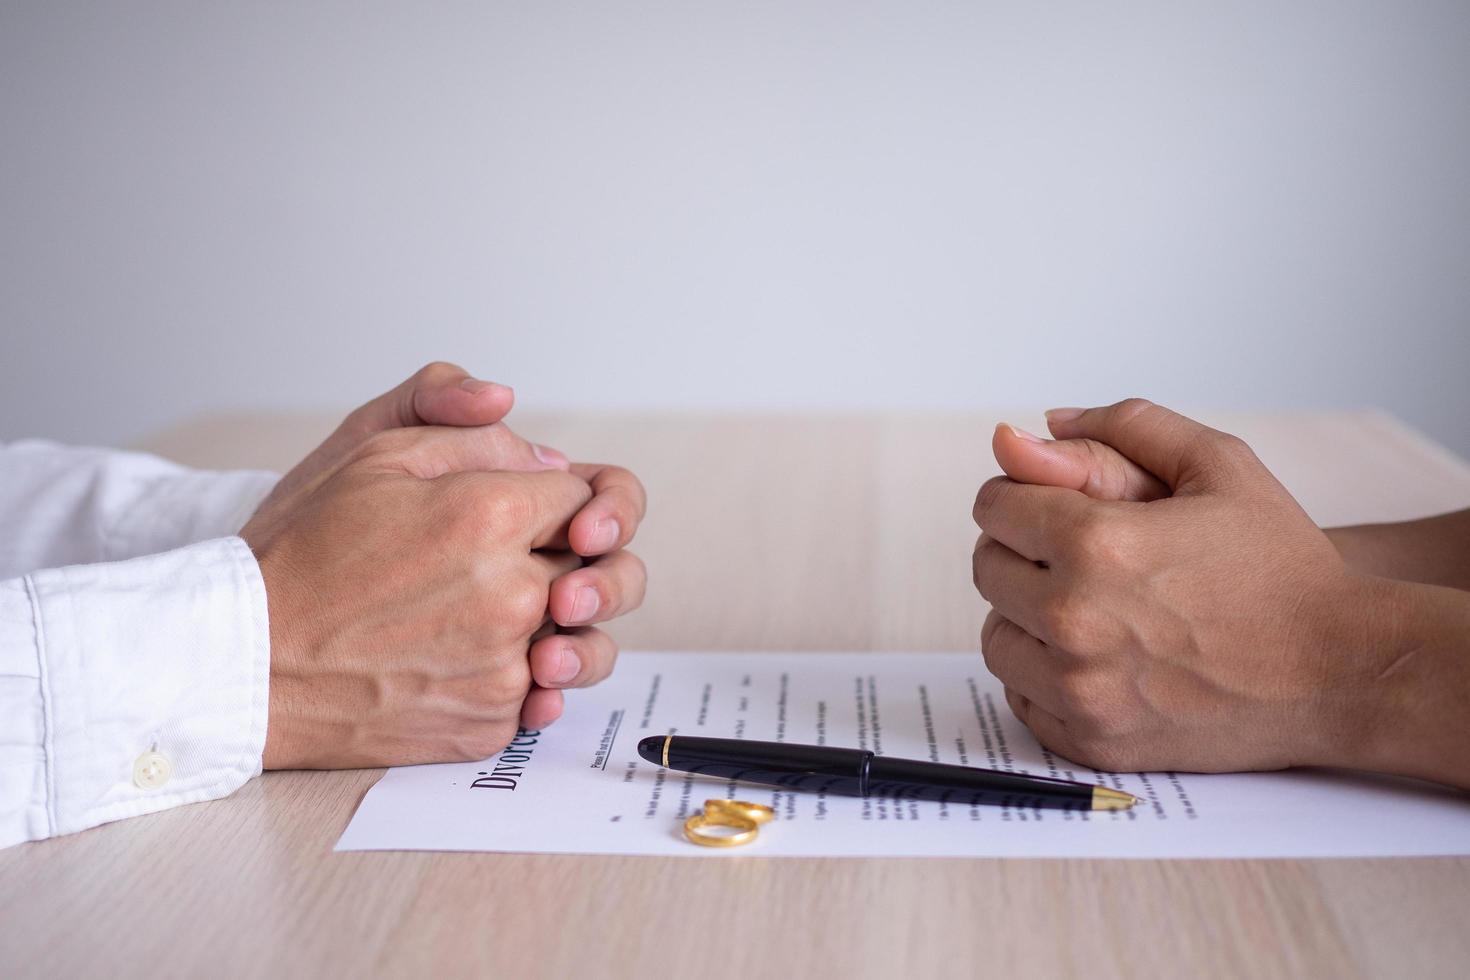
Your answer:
<point x="1020" y="433"/>
<point x="551" y="457"/>
<point x="569" y="667"/>
<point x="1063" y="414"/>
<point x="474" y="386"/>
<point x="604" y="535"/>
<point x="584" y="604"/>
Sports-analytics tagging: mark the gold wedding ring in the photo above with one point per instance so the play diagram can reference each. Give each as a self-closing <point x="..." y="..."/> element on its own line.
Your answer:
<point x="745" y="830"/>
<point x="741" y="817"/>
<point x="757" y="813"/>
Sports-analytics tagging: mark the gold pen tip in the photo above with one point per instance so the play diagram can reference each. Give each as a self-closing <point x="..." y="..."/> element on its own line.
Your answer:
<point x="1111" y="799"/>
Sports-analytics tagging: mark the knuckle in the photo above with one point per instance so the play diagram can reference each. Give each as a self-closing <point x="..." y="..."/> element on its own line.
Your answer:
<point x="621" y="507"/>
<point x="574" y="486"/>
<point x="1130" y="409"/>
<point x="1106" y="721"/>
<point x="503" y="440"/>
<point x="1139" y="416"/>
<point x="1229" y="442"/>
<point x="1056" y="618"/>
<point x="436" y="371"/>
<point x="486" y="576"/>
<point x="473" y="747"/>
<point x="1068" y="622"/>
<point x="494" y="512"/>
<point x="1074" y="691"/>
<point x="523" y="607"/>
<point x="1204" y="448"/>
<point x="483" y="575"/>
<point x="981" y="561"/>
<point x="558" y="486"/>
<point x="1095" y="710"/>
<point x="504" y="684"/>
<point x="1107" y="479"/>
<point x="991" y="493"/>
<point x="639" y="494"/>
<point x="1086" y="708"/>
<point x="1088" y="534"/>
<point x="997" y="637"/>
<point x="989" y="631"/>
<point x="1218" y="454"/>
<point x="1095" y="539"/>
<point x="485" y="740"/>
<point x="1101" y="467"/>
<point x="627" y="483"/>
<point x="462" y="515"/>
<point x="501" y="448"/>
<point x="1231" y="448"/>
<point x="990" y="658"/>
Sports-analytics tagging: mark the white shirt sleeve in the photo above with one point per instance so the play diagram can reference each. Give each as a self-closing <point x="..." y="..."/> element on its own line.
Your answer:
<point x="136" y="681"/>
<point x="61" y="505"/>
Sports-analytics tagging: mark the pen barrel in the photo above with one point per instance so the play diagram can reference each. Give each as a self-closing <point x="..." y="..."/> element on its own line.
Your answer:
<point x="908" y="779"/>
<point x="802" y="768"/>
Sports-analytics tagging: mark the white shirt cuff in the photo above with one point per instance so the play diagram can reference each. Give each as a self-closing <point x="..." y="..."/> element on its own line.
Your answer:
<point x="130" y="687"/>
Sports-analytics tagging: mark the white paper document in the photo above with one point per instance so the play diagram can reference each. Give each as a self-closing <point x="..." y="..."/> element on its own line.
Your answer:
<point x="580" y="787"/>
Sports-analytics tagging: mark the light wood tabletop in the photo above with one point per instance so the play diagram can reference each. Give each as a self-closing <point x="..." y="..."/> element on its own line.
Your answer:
<point x="765" y="533"/>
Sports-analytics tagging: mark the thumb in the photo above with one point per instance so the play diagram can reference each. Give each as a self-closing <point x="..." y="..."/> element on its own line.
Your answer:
<point x="1086" y="465"/>
<point x="1181" y="452"/>
<point x="438" y="394"/>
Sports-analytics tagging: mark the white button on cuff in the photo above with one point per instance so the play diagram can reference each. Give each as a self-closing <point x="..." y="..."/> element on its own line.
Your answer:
<point x="151" y="771"/>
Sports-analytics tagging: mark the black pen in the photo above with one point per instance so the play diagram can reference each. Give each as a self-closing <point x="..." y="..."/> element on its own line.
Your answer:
<point x="858" y="772"/>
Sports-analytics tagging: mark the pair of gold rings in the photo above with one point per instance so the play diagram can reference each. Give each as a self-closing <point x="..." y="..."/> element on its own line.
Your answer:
<point x="741" y="818"/>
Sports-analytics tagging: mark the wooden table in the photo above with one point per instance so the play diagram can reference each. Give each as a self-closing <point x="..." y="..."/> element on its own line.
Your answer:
<point x="766" y="533"/>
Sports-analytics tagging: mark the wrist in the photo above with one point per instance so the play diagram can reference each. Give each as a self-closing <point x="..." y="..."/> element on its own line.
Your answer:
<point x="1360" y="641"/>
<point x="1432" y="550"/>
<point x="1341" y="625"/>
<point x="1365" y="548"/>
<point x="282" y="742"/>
<point x="1399" y="680"/>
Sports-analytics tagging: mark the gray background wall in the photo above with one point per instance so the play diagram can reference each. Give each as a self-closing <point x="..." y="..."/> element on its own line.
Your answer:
<point x="754" y="205"/>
